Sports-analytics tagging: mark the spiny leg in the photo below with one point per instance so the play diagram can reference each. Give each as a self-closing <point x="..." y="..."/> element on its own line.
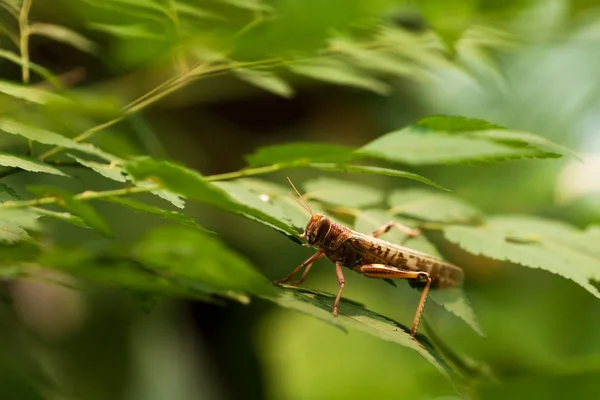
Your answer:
<point x="407" y="230"/>
<point x="306" y="263"/>
<point x="424" y="277"/>
<point x="385" y="272"/>
<point x="340" y="279"/>
<point x="305" y="273"/>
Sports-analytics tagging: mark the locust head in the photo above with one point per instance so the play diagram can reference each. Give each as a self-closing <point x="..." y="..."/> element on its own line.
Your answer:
<point x="317" y="229"/>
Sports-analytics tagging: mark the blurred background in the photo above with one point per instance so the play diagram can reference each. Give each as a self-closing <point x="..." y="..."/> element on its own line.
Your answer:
<point x="527" y="65"/>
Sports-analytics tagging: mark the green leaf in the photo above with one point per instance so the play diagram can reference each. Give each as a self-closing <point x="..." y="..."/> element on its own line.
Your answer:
<point x="409" y="147"/>
<point x="192" y="11"/>
<point x="271" y="198"/>
<point x="376" y="60"/>
<point x="432" y="206"/>
<point x="200" y="261"/>
<point x="7" y="193"/>
<point x="243" y="192"/>
<point x="338" y="72"/>
<point x="108" y="267"/>
<point x="62" y="216"/>
<point x="177" y="178"/>
<point x="186" y="182"/>
<point x="64" y="35"/>
<point x="369" y="220"/>
<point x="127" y="31"/>
<point x="144" y="208"/>
<point x="363" y="169"/>
<point x="342" y="193"/>
<point x="257" y="5"/>
<point x="425" y="50"/>
<point x="452" y="299"/>
<point x="173" y="261"/>
<point x="110" y="171"/>
<point x="592" y="233"/>
<point x="322" y="156"/>
<point x="265" y="80"/>
<point x="274" y="199"/>
<point x="28" y="164"/>
<point x="14" y="224"/>
<point x="167" y="195"/>
<point x="456" y="301"/>
<point x="302" y="151"/>
<point x="534" y="242"/>
<point x="116" y="172"/>
<point x="452" y="123"/>
<point x="74" y="205"/>
<point x="30" y="94"/>
<point x="142" y="4"/>
<point x="524" y="139"/>
<point x="448" y="140"/>
<point x="137" y="9"/>
<point x="46" y="137"/>
<point x="357" y="317"/>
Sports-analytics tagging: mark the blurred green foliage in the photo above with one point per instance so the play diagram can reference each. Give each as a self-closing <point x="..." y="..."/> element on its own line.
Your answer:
<point x="132" y="263"/>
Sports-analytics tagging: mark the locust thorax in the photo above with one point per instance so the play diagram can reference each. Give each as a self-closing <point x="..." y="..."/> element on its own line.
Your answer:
<point x="317" y="229"/>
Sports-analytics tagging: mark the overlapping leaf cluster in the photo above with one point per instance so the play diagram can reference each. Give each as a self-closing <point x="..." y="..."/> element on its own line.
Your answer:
<point x="186" y="259"/>
<point x="189" y="261"/>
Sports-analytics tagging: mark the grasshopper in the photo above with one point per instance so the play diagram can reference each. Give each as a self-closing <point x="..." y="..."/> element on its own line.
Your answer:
<point x="372" y="257"/>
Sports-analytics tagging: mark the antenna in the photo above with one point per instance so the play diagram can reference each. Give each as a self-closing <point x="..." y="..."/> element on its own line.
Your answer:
<point x="303" y="204"/>
<point x="298" y="201"/>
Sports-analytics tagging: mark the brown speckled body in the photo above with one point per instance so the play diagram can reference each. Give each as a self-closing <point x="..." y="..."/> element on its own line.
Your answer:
<point x="354" y="249"/>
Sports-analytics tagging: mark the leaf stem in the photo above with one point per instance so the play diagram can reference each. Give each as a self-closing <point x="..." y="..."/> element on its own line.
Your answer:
<point x="24" y="39"/>
<point x="180" y="61"/>
<point x="82" y="136"/>
<point x="165" y="88"/>
<point x="87" y="195"/>
<point x="24" y="32"/>
<point x="155" y="90"/>
<point x="246" y="172"/>
<point x="169" y="86"/>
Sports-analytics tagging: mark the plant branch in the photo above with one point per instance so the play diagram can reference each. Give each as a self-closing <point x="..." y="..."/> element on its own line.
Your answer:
<point x="87" y="195"/>
<point x="82" y="136"/>
<point x="24" y="32"/>
<point x="24" y="38"/>
<point x="169" y="86"/>
<point x="246" y="172"/>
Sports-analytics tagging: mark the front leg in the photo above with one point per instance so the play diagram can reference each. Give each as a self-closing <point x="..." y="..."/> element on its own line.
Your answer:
<point x="306" y="263"/>
<point x="381" y="271"/>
